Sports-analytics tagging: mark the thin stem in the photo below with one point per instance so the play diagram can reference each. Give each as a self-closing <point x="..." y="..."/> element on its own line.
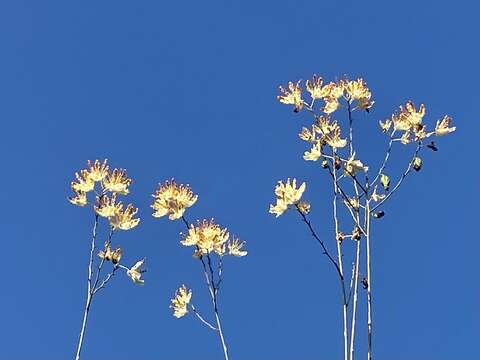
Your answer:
<point x="355" y="274"/>
<point x="369" y="280"/>
<point x="385" y="160"/>
<point x="89" y="290"/>
<point x="325" y="251"/>
<point x="201" y="318"/>
<point x="340" y="264"/>
<point x="404" y="175"/>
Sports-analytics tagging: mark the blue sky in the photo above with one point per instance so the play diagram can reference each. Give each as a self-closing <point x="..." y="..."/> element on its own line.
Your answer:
<point x="187" y="90"/>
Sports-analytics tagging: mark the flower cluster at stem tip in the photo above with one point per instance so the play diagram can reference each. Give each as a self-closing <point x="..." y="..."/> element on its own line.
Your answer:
<point x="106" y="186"/>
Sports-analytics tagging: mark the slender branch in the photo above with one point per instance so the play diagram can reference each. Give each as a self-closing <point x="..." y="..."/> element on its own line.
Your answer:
<point x="325" y="251"/>
<point x="200" y="317"/>
<point x="404" y="175"/>
<point x="355" y="274"/>
<point x="102" y="262"/>
<point x="385" y="160"/>
<point x="89" y="290"/>
<point x="106" y="280"/>
<point x="340" y="265"/>
<point x="369" y="280"/>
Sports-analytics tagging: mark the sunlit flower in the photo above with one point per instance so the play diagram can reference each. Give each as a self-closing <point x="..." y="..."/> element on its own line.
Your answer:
<point x="123" y="218"/>
<point x="443" y="126"/>
<point x="315" y="152"/>
<point x="307" y="134"/>
<point x="84" y="183"/>
<point x="365" y="103"/>
<point x="180" y="301"/>
<point x="333" y="139"/>
<point x="109" y="255"/>
<point x="292" y="96"/>
<point x="279" y="208"/>
<point x="172" y="199"/>
<point x="207" y="237"/>
<point x="235" y="248"/>
<point x="352" y="166"/>
<point x="117" y="181"/>
<point x="377" y="197"/>
<point x="304" y="207"/>
<point x="385" y="126"/>
<point x="314" y="87"/>
<point x="408" y="118"/>
<point x="106" y="206"/>
<point x="80" y="198"/>
<point x="357" y="90"/>
<point x="287" y="194"/>
<point x="331" y="105"/>
<point x="356" y="233"/>
<point x="334" y="90"/>
<point x="405" y="138"/>
<point x="136" y="271"/>
<point x="97" y="171"/>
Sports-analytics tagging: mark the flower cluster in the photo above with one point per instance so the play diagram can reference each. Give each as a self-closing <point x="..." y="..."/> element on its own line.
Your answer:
<point x="180" y="301"/>
<point x="209" y="237"/>
<point x="287" y="194"/>
<point x="172" y="200"/>
<point x="409" y="120"/>
<point x="114" y="182"/>
<point x="331" y="93"/>
<point x="136" y="271"/>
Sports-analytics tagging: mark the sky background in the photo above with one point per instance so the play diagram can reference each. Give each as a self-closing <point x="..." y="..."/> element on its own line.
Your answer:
<point x="188" y="90"/>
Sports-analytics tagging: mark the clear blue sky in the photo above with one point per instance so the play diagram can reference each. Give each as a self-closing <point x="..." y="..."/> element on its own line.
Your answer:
<point x="187" y="90"/>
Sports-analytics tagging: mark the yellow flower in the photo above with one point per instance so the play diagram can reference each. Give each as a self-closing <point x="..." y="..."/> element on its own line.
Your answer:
<point x="123" y="219"/>
<point x="109" y="255"/>
<point x="136" y="271"/>
<point x="331" y="105"/>
<point x="352" y="166"/>
<point x="97" y="171"/>
<point x="304" y="207"/>
<point x="117" y="181"/>
<point x="180" y="301"/>
<point x="365" y="103"/>
<point x="377" y="197"/>
<point x="333" y="139"/>
<point x="314" y="87"/>
<point x="408" y="117"/>
<point x="307" y="135"/>
<point x="356" y="90"/>
<point x="405" y="138"/>
<point x="443" y="126"/>
<point x="385" y="126"/>
<point x="315" y="152"/>
<point x="207" y="237"/>
<point x="80" y="198"/>
<point x="235" y="248"/>
<point x="292" y="96"/>
<point x="84" y="183"/>
<point x="106" y="206"/>
<point x="334" y="90"/>
<point x="287" y="194"/>
<point x="279" y="208"/>
<point x="172" y="199"/>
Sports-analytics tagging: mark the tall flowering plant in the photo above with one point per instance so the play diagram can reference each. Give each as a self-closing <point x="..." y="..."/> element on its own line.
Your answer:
<point x="360" y="192"/>
<point x="105" y="187"/>
<point x="211" y="244"/>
